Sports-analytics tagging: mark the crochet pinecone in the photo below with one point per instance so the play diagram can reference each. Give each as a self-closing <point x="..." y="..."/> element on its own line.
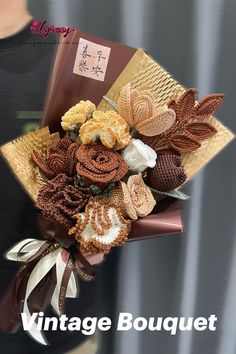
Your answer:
<point x="168" y="174"/>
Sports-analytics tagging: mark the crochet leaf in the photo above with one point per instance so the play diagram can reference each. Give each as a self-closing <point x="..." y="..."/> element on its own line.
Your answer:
<point x="208" y="105"/>
<point x="172" y="105"/>
<point x="201" y="130"/>
<point x="185" y="105"/>
<point x="184" y="143"/>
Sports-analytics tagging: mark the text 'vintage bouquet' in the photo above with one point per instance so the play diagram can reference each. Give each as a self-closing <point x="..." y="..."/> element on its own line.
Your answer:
<point x="131" y="135"/>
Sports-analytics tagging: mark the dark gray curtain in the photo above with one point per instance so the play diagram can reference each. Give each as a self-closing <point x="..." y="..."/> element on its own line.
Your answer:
<point x="192" y="274"/>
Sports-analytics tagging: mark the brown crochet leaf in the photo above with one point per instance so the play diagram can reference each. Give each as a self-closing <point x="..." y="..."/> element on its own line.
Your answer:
<point x="172" y="105"/>
<point x="184" y="143"/>
<point x="166" y="151"/>
<point x="208" y="105"/>
<point x="185" y="105"/>
<point x="201" y="130"/>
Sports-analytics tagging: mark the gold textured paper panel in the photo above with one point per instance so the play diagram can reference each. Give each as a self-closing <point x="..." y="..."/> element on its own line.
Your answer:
<point x="17" y="153"/>
<point x="144" y="73"/>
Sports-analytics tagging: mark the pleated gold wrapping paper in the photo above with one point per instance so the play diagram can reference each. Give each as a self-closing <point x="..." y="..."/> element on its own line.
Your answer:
<point x="143" y="73"/>
<point x="17" y="153"/>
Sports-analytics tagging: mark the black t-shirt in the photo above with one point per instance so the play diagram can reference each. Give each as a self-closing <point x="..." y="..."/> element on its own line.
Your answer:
<point x="25" y="62"/>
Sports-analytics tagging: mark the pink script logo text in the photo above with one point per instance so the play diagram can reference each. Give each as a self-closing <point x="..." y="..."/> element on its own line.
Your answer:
<point x="44" y="30"/>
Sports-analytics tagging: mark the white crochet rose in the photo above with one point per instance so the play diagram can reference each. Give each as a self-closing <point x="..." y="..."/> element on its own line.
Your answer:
<point x="139" y="156"/>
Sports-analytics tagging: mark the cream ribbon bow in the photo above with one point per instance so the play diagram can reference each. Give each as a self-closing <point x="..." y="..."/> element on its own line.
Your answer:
<point x="23" y="252"/>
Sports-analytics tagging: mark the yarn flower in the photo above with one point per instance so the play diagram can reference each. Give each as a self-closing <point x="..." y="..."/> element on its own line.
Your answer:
<point x="139" y="156"/>
<point x="135" y="199"/>
<point x="60" y="159"/>
<point x="99" y="165"/>
<point x="168" y="174"/>
<point x="140" y="112"/>
<point x="60" y="198"/>
<point x="100" y="227"/>
<point x="77" y="115"/>
<point x="109" y="127"/>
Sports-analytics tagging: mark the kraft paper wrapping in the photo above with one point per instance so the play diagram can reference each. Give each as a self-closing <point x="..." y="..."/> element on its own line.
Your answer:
<point x="143" y="73"/>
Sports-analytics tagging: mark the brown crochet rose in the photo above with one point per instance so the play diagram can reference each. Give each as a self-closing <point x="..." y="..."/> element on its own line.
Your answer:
<point x="99" y="165"/>
<point x="61" y="198"/>
<point x="168" y="174"/>
<point x="60" y="159"/>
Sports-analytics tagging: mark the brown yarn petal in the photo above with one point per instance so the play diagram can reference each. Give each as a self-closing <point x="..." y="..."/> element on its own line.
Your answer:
<point x="60" y="159"/>
<point x="168" y="174"/>
<point x="100" y="165"/>
<point x="42" y="165"/>
<point x="172" y="105"/>
<point x="70" y="159"/>
<point x="60" y="198"/>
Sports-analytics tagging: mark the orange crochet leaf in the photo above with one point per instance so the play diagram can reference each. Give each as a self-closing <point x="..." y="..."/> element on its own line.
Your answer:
<point x="185" y="105"/>
<point x="201" y="130"/>
<point x="208" y="105"/>
<point x="184" y="143"/>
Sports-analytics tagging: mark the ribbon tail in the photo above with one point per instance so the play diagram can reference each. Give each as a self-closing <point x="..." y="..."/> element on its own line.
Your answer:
<point x="38" y="273"/>
<point x="73" y="287"/>
<point x="66" y="284"/>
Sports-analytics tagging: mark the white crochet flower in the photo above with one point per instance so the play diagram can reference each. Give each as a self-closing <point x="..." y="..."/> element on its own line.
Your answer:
<point x="139" y="156"/>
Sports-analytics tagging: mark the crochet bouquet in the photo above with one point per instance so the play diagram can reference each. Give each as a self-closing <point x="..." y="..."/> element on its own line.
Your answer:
<point x="123" y="138"/>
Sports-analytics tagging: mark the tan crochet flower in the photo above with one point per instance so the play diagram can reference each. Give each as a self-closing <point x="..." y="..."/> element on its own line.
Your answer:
<point x="140" y="112"/>
<point x="135" y="199"/>
<point x="109" y="126"/>
<point x="99" y="165"/>
<point x="77" y="114"/>
<point x="100" y="227"/>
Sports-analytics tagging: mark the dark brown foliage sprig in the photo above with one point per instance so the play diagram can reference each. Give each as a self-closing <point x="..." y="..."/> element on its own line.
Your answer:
<point x="190" y="127"/>
<point x="60" y="159"/>
<point x="61" y="198"/>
